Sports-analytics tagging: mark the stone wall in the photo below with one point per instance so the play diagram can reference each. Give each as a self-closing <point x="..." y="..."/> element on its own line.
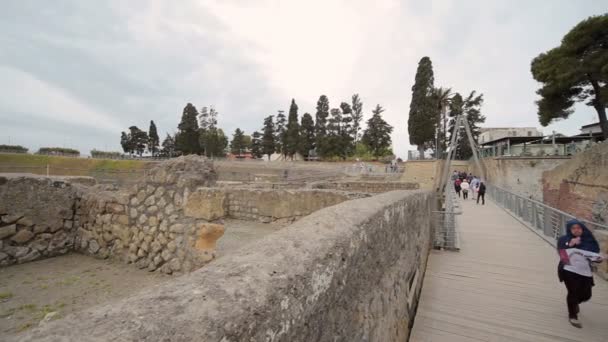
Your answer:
<point x="350" y="272"/>
<point x="580" y="185"/>
<point x="522" y="175"/>
<point x="367" y="186"/>
<point x="36" y="218"/>
<point x="261" y="204"/>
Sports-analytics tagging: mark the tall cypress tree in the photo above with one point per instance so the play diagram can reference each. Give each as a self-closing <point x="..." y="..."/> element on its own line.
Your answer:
<point x="187" y="140"/>
<point x="334" y="134"/>
<point x="307" y="135"/>
<point x="256" y="145"/>
<point x="292" y="134"/>
<point x="377" y="135"/>
<point x="268" y="136"/>
<point x="153" y="139"/>
<point x="422" y="119"/>
<point x="321" y="140"/>
<point x="357" y="115"/>
<point x="279" y="130"/>
<point x="346" y="134"/>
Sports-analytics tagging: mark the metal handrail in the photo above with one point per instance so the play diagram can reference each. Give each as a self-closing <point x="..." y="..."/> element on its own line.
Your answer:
<point x="546" y="221"/>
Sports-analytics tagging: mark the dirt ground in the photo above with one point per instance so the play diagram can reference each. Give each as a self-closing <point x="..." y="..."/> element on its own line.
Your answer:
<point x="62" y="285"/>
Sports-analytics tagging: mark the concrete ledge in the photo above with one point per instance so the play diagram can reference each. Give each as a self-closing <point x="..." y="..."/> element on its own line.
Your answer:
<point x="343" y="273"/>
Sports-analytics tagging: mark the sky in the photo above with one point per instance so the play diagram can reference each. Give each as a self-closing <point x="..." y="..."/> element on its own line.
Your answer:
<point x="77" y="73"/>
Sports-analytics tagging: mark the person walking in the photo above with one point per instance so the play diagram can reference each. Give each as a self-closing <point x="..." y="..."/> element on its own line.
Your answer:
<point x="481" y="192"/>
<point x="577" y="249"/>
<point x="457" y="187"/>
<point x="465" y="189"/>
<point x="474" y="186"/>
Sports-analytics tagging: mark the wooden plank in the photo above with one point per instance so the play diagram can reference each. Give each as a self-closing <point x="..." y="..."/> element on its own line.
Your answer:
<point x="501" y="286"/>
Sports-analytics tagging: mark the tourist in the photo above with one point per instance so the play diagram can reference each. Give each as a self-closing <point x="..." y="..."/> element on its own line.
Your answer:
<point x="474" y="187"/>
<point x="455" y="175"/>
<point x="481" y="192"/>
<point x="576" y="249"/>
<point x="465" y="188"/>
<point x="457" y="183"/>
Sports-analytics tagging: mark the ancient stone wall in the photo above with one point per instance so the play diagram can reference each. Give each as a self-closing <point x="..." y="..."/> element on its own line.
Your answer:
<point x="261" y="204"/>
<point x="36" y="218"/>
<point x="350" y="272"/>
<point x="367" y="186"/>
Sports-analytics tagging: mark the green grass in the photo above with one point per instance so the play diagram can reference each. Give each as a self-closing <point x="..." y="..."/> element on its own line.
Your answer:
<point x="5" y="295"/>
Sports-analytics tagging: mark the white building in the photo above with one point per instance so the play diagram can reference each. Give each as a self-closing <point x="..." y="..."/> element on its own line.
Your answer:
<point x="495" y="133"/>
<point x="591" y="128"/>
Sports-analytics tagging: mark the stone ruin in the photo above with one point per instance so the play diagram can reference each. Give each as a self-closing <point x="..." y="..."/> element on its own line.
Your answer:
<point x="145" y="224"/>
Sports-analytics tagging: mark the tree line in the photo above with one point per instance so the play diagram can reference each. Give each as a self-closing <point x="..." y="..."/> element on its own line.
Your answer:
<point x="433" y="112"/>
<point x="332" y="133"/>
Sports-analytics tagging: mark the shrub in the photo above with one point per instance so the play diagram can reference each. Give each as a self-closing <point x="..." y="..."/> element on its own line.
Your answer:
<point x="58" y="151"/>
<point x="13" y="149"/>
<point x="106" y="154"/>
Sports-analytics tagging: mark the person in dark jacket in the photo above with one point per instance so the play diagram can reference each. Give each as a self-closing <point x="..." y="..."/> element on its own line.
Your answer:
<point x="481" y="193"/>
<point x="576" y="250"/>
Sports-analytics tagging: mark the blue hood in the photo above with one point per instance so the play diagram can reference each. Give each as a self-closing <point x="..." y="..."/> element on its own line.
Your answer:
<point x="588" y="241"/>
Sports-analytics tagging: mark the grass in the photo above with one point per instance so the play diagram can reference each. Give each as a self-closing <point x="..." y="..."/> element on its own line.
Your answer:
<point x="24" y="326"/>
<point x="5" y="295"/>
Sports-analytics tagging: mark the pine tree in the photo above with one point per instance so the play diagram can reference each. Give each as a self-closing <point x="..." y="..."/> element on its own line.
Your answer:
<point x="321" y="140"/>
<point x="138" y="140"/>
<point x="268" y="137"/>
<point x="187" y="139"/>
<point x="125" y="143"/>
<point x="377" y="135"/>
<point x="292" y="133"/>
<point x="280" y="133"/>
<point x="168" y="146"/>
<point x="471" y="106"/>
<point x="422" y="119"/>
<point x="215" y="142"/>
<point x="153" y="139"/>
<point x="357" y="115"/>
<point x="204" y="118"/>
<point x="335" y="144"/>
<point x="347" y="134"/>
<point x="256" y="145"/>
<point x="307" y="135"/>
<point x="237" y="145"/>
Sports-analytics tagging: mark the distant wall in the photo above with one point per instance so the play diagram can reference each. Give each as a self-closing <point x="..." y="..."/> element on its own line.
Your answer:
<point x="350" y="272"/>
<point x="522" y="175"/>
<point x="367" y="186"/>
<point x="423" y="172"/>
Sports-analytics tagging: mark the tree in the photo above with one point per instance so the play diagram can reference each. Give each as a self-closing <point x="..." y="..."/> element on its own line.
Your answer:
<point x="377" y="135"/>
<point x="153" y="139"/>
<point x="125" y="142"/>
<point x="575" y="71"/>
<point x="347" y="135"/>
<point x="280" y="130"/>
<point x="441" y="99"/>
<point x="422" y="117"/>
<point x="204" y="118"/>
<point x="334" y="141"/>
<point x="321" y="142"/>
<point x="256" y="145"/>
<point x="268" y="137"/>
<point x="237" y="145"/>
<point x="471" y="107"/>
<point x="215" y="142"/>
<point x="187" y="138"/>
<point x="138" y="140"/>
<point x="168" y="146"/>
<point x="357" y="116"/>
<point x="307" y="135"/>
<point x="292" y="133"/>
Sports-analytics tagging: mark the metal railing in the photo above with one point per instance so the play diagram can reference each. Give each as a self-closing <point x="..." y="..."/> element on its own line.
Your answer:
<point x="446" y="233"/>
<point x="546" y="221"/>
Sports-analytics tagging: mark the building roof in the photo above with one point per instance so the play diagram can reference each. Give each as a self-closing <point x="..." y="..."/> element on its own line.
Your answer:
<point x="513" y="140"/>
<point x="591" y="125"/>
<point x="487" y="129"/>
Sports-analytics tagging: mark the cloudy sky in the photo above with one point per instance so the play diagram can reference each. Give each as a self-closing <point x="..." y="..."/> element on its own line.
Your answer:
<point x="76" y="73"/>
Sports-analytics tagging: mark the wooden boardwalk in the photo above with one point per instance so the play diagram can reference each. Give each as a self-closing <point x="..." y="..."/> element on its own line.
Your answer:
<point x="501" y="286"/>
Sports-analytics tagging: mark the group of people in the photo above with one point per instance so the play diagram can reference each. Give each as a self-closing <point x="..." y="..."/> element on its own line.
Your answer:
<point x="464" y="183"/>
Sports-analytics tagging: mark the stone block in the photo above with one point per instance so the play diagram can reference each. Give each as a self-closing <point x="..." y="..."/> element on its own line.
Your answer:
<point x="172" y="246"/>
<point x="207" y="236"/>
<point x="11" y="218"/>
<point x="133" y="213"/>
<point x="207" y="204"/>
<point x="177" y="228"/>
<point x="16" y="251"/>
<point x="22" y="236"/>
<point x="115" y="208"/>
<point x="150" y="201"/>
<point x="152" y="209"/>
<point x="40" y="228"/>
<point x="3" y="256"/>
<point x="68" y="224"/>
<point x="93" y="247"/>
<point x="153" y="221"/>
<point x="25" y="221"/>
<point x="166" y="255"/>
<point x="175" y="265"/>
<point x="122" y="219"/>
<point x="32" y="255"/>
<point x="159" y="192"/>
<point x="7" y="231"/>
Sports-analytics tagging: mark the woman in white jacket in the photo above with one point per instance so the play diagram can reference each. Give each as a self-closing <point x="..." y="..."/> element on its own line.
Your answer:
<point x="465" y="188"/>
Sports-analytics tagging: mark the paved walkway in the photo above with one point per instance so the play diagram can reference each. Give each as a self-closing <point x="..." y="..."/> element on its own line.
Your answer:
<point x="501" y="286"/>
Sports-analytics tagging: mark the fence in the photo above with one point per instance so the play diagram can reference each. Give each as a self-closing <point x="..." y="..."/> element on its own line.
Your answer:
<point x="546" y="221"/>
<point x="446" y="232"/>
